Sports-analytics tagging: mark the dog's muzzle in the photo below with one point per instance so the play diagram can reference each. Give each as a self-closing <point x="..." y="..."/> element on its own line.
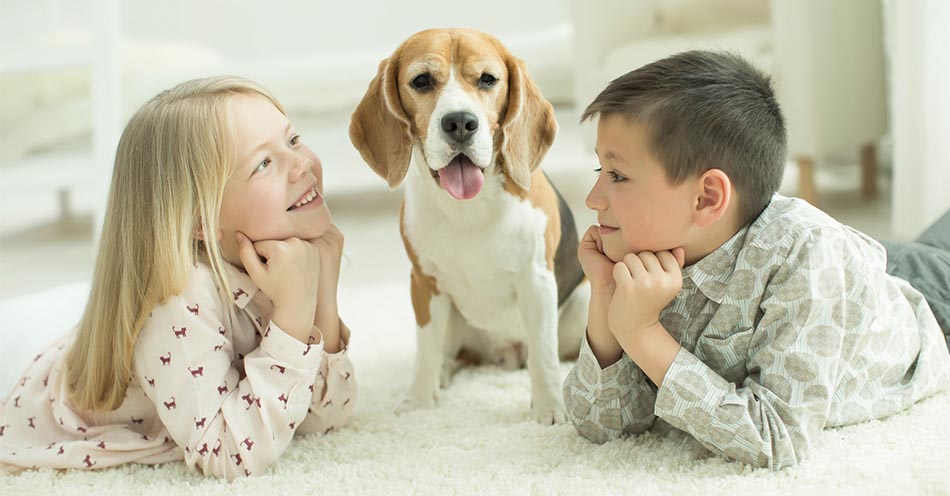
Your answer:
<point x="459" y="127"/>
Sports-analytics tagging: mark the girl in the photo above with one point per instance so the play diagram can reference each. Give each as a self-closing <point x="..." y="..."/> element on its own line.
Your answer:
<point x="211" y="333"/>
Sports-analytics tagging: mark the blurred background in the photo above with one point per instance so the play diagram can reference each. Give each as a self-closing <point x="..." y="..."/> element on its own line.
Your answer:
<point x="865" y="85"/>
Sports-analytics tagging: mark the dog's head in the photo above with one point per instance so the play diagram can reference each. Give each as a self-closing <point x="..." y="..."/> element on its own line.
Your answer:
<point x="465" y="102"/>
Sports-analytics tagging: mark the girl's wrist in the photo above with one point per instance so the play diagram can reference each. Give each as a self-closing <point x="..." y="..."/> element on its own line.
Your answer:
<point x="294" y="323"/>
<point x="329" y="328"/>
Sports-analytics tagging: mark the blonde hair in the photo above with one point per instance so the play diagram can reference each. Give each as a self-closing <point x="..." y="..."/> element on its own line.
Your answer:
<point x="171" y="166"/>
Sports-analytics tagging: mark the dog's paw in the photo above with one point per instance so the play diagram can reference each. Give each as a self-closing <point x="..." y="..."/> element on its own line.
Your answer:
<point x="415" y="402"/>
<point x="449" y="368"/>
<point x="549" y="415"/>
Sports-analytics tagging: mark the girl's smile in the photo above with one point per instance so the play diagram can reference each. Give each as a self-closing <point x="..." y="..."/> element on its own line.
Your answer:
<point x="310" y="199"/>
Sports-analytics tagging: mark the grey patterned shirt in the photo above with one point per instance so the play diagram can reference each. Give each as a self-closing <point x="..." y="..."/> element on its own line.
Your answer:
<point x="789" y="327"/>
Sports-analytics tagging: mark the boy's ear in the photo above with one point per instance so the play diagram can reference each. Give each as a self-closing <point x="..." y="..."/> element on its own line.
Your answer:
<point x="713" y="198"/>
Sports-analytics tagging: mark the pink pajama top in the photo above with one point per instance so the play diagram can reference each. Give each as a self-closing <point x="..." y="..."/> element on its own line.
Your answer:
<point x="214" y="382"/>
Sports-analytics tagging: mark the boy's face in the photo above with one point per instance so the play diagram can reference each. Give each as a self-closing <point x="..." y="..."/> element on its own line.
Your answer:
<point x="637" y="209"/>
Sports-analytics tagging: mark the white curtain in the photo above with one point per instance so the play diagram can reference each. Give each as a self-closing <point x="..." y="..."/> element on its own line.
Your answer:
<point x="919" y="49"/>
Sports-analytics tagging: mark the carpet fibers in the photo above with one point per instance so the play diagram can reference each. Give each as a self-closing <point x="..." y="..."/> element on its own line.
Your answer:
<point x="480" y="440"/>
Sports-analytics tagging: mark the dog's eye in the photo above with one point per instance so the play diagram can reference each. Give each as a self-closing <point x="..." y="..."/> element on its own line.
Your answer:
<point x="422" y="82"/>
<point x="487" y="81"/>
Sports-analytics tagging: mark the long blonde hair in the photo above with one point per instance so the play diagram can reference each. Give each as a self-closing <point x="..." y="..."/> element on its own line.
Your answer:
<point x="171" y="166"/>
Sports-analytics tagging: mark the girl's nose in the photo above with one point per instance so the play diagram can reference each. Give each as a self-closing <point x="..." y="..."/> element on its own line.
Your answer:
<point x="302" y="164"/>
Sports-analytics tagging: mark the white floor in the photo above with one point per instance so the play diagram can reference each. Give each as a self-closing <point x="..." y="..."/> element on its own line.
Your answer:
<point x="39" y="249"/>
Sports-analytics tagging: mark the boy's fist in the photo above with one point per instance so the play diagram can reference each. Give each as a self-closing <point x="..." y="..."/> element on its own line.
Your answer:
<point x="645" y="283"/>
<point x="595" y="263"/>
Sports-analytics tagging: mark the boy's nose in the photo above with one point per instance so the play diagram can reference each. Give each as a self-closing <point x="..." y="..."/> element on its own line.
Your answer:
<point x="595" y="200"/>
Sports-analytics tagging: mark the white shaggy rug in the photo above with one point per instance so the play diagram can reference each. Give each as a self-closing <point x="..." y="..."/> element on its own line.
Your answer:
<point x="479" y="440"/>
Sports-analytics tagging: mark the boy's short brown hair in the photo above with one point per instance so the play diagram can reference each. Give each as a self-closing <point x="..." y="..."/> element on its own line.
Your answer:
<point x="704" y="110"/>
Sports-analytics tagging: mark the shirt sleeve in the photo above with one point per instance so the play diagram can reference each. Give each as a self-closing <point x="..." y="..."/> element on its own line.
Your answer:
<point x="794" y="358"/>
<point x="228" y="424"/>
<point x="333" y="391"/>
<point x="605" y="403"/>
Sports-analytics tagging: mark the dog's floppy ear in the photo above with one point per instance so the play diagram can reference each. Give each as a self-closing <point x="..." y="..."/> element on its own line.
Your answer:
<point x="529" y="127"/>
<point x="379" y="128"/>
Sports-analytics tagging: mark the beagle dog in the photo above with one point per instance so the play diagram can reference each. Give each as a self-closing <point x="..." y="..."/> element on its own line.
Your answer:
<point x="495" y="276"/>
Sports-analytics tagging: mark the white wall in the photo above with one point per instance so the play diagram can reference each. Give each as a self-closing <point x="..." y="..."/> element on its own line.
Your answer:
<point x="919" y="41"/>
<point x="330" y="46"/>
<point x="59" y="75"/>
<point x="316" y="57"/>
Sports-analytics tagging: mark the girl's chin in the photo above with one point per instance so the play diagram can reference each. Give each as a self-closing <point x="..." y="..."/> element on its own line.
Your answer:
<point x="318" y="229"/>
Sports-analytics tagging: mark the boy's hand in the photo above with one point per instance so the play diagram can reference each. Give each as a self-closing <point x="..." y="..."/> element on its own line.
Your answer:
<point x="285" y="276"/>
<point x="596" y="265"/>
<point x="645" y="284"/>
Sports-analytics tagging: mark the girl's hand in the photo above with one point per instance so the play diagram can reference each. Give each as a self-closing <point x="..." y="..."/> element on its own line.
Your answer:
<point x="285" y="276"/>
<point x="645" y="284"/>
<point x="330" y="247"/>
<point x="327" y="317"/>
<point x="596" y="265"/>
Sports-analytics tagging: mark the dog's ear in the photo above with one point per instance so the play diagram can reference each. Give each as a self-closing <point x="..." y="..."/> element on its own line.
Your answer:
<point x="529" y="126"/>
<point x="379" y="128"/>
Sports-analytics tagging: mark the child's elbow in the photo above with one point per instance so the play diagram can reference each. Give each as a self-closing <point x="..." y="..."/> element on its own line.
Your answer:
<point x="231" y="464"/>
<point x="593" y="432"/>
<point x="775" y="461"/>
<point x="327" y="418"/>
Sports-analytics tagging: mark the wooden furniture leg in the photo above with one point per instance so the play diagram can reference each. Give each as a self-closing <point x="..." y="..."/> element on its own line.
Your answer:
<point x="868" y="171"/>
<point x="806" y="180"/>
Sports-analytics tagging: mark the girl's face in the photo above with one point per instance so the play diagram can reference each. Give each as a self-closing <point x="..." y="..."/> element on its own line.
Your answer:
<point x="276" y="189"/>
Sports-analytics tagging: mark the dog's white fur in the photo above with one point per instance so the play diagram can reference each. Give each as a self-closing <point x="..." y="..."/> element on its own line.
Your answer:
<point x="483" y="272"/>
<point x="439" y="152"/>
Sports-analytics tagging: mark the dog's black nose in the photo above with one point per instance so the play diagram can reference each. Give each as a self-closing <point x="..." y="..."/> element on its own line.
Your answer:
<point x="459" y="126"/>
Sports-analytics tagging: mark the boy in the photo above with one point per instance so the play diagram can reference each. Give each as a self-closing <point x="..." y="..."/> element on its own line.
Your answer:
<point x="749" y="320"/>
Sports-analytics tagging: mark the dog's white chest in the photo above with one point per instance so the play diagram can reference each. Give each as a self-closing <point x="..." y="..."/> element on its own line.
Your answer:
<point x="480" y="253"/>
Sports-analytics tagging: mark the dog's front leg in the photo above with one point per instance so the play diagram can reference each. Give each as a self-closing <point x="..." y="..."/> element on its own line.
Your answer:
<point x="537" y="298"/>
<point x="430" y="339"/>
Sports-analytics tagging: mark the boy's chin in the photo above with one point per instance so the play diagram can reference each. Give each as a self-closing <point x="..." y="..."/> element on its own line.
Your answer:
<point x="614" y="254"/>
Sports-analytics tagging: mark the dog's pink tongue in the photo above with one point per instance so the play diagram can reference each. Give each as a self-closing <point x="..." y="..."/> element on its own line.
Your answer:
<point x="461" y="178"/>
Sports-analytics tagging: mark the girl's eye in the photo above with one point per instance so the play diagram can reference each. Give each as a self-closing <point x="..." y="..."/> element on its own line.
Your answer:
<point x="294" y="140"/>
<point x="263" y="165"/>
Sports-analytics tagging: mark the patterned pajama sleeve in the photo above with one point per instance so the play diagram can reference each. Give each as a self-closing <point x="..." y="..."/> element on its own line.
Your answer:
<point x="605" y="403"/>
<point x="334" y="391"/>
<point x="794" y="363"/>
<point x="226" y="425"/>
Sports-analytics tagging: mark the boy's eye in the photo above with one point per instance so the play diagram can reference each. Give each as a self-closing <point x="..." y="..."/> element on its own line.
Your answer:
<point x="263" y="165"/>
<point x="614" y="177"/>
<point x="294" y="140"/>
